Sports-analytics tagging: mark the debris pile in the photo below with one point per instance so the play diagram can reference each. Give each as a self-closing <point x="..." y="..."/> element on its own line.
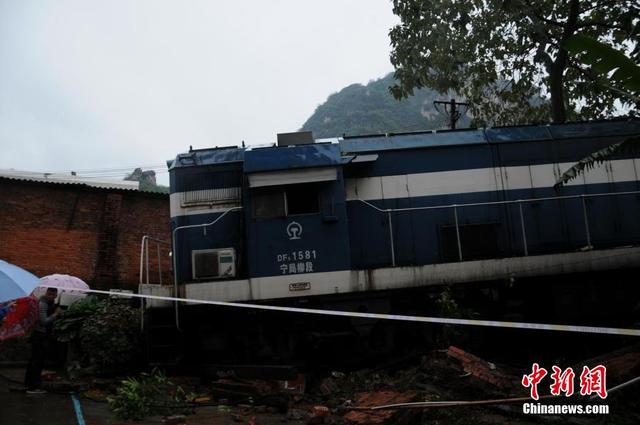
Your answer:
<point x="444" y="378"/>
<point x="450" y="385"/>
<point x="382" y="398"/>
<point x="484" y="370"/>
<point x="338" y="398"/>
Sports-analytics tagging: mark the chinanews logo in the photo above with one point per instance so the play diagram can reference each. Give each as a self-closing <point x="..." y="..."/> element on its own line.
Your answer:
<point x="592" y="381"/>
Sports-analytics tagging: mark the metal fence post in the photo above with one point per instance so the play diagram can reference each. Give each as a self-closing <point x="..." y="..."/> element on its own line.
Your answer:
<point x="586" y="220"/>
<point x="393" y="253"/>
<point x="524" y="233"/>
<point x="146" y="254"/>
<point x="142" y="259"/>
<point x="455" y="215"/>
<point x="159" y="264"/>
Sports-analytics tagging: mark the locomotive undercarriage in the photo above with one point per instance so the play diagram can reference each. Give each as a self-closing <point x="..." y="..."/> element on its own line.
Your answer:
<point x="211" y="335"/>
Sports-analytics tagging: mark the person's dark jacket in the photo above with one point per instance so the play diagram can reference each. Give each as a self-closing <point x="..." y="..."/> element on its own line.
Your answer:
<point x="45" y="315"/>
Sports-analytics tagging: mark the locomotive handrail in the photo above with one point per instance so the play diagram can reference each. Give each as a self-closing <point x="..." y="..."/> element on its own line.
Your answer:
<point x="173" y="254"/>
<point x="455" y="207"/>
<point x="515" y="201"/>
<point x="144" y="258"/>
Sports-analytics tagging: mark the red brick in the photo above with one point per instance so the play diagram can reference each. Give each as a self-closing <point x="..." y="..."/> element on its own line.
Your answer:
<point x="93" y="234"/>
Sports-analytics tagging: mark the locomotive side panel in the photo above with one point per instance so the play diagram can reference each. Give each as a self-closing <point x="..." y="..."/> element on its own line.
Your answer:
<point x="203" y="187"/>
<point x="505" y="164"/>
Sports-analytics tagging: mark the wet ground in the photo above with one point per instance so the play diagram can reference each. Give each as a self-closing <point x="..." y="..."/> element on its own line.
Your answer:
<point x="18" y="408"/>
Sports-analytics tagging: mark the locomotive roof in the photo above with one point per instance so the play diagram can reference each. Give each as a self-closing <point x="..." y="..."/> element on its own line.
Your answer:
<point x="322" y="154"/>
<point x="400" y="141"/>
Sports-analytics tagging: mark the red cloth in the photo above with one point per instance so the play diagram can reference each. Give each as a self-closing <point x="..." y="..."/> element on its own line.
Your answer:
<point x="21" y="319"/>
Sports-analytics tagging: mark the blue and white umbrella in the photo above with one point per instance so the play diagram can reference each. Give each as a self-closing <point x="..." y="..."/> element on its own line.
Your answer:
<point x="15" y="282"/>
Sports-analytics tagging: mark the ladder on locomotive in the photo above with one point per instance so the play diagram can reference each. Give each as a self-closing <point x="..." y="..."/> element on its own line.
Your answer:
<point x="161" y="336"/>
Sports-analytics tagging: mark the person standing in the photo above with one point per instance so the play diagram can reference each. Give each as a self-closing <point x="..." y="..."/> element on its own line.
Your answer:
<point x="47" y="313"/>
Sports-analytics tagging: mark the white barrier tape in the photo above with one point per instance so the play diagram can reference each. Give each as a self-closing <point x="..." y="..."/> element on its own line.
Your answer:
<point x="440" y="320"/>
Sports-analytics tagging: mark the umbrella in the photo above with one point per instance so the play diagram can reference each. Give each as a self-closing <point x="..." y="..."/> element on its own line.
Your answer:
<point x="15" y="282"/>
<point x="20" y="319"/>
<point x="66" y="284"/>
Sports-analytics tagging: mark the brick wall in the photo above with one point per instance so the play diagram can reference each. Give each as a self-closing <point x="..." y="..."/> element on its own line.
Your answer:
<point x="90" y="233"/>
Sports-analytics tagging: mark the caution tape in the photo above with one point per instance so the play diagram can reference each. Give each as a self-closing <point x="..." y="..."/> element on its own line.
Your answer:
<point x="419" y="319"/>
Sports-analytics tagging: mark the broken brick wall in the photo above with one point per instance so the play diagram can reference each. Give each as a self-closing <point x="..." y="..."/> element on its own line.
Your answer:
<point x="90" y="233"/>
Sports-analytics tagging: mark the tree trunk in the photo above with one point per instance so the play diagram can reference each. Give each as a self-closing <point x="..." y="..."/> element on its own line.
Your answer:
<point x="556" y="87"/>
<point x="558" y="107"/>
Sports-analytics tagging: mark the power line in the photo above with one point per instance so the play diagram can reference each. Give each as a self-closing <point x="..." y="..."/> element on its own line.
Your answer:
<point x="453" y="113"/>
<point x="114" y="169"/>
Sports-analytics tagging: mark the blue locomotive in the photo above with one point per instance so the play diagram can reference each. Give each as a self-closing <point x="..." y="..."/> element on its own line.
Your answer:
<point x="380" y="223"/>
<point x="365" y="213"/>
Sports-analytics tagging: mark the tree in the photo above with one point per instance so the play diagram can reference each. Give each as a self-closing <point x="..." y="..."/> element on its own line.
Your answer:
<point x="500" y="54"/>
<point x="619" y="74"/>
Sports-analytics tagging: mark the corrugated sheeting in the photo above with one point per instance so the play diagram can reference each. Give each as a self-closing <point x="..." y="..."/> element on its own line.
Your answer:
<point x="68" y="179"/>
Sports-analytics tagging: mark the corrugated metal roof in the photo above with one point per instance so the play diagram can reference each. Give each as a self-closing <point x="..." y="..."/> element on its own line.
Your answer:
<point x="68" y="179"/>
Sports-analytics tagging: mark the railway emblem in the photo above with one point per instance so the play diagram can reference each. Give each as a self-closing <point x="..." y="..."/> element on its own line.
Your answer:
<point x="294" y="231"/>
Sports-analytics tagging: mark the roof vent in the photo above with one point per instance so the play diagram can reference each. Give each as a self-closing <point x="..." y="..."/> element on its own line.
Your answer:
<point x="297" y="138"/>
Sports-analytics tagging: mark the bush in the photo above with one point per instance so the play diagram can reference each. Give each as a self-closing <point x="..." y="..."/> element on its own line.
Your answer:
<point x="446" y="306"/>
<point x="110" y="338"/>
<point x="148" y="394"/>
<point x="67" y="327"/>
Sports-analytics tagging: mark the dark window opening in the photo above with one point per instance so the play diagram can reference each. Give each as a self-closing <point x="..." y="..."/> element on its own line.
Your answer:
<point x="302" y="199"/>
<point x="478" y="242"/>
<point x="282" y="201"/>
<point x="268" y="203"/>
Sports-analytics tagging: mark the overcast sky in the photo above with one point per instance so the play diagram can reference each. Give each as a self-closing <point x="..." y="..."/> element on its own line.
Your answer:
<point x="99" y="84"/>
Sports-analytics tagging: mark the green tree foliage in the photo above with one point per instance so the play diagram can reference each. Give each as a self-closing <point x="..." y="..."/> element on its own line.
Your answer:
<point x="110" y="338"/>
<point x="68" y="326"/>
<point x="611" y="67"/>
<point x="147" y="186"/>
<point x="371" y="109"/>
<point x="499" y="54"/>
<point x="104" y="334"/>
<point x="146" y="181"/>
<point x="149" y="394"/>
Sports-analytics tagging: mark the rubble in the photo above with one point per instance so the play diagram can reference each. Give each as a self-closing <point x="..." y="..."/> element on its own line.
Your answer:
<point x="622" y="365"/>
<point x="328" y="387"/>
<point x="483" y="370"/>
<point x="380" y="398"/>
<point x="338" y="397"/>
<point x="318" y="415"/>
<point x="175" y="420"/>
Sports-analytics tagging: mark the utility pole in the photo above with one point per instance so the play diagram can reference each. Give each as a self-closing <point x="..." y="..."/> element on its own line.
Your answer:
<point x="451" y="110"/>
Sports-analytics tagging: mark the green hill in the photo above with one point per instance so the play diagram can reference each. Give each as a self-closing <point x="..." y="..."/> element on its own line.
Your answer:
<point x="358" y="109"/>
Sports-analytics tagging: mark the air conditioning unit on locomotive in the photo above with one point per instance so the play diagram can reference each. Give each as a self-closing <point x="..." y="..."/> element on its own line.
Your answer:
<point x="213" y="263"/>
